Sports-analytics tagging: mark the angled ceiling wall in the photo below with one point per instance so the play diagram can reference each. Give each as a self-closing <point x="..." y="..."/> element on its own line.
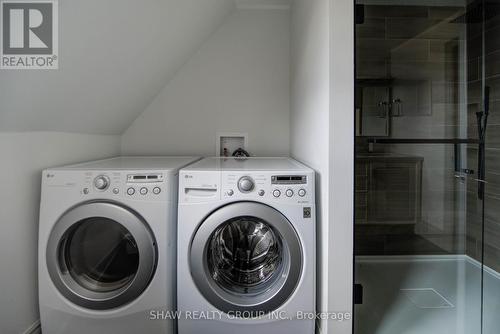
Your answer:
<point x="237" y="82"/>
<point x="115" y="56"/>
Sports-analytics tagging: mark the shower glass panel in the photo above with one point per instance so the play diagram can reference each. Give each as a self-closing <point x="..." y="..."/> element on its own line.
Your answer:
<point x="427" y="205"/>
<point x="489" y="253"/>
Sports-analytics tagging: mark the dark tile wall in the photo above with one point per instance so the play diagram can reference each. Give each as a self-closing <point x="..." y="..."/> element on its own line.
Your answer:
<point x="393" y="38"/>
<point x="420" y="44"/>
<point x="416" y="47"/>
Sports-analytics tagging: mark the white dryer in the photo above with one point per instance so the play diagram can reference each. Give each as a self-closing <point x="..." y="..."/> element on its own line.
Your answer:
<point x="107" y="242"/>
<point x="246" y="247"/>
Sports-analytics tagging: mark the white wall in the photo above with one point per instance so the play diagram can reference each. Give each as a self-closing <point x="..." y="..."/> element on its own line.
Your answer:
<point x="341" y="200"/>
<point x="23" y="156"/>
<point x="237" y="82"/>
<point x="322" y="81"/>
<point x="310" y="114"/>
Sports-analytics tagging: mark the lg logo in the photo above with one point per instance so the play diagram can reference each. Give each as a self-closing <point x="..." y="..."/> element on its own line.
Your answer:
<point x="29" y="34"/>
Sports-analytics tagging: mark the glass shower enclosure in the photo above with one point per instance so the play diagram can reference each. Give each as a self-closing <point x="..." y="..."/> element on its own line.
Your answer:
<point x="427" y="197"/>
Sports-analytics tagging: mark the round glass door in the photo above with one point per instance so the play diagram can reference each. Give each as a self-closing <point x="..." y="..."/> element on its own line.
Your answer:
<point x="101" y="255"/>
<point x="246" y="256"/>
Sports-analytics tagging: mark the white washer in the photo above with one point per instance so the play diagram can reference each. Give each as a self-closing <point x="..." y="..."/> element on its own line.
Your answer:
<point x="246" y="247"/>
<point x="107" y="242"/>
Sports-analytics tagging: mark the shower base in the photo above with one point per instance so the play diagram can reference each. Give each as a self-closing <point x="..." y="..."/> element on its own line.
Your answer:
<point x="425" y="295"/>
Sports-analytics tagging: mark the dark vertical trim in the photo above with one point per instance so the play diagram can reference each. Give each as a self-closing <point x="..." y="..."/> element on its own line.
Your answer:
<point x="482" y="139"/>
<point x="353" y="322"/>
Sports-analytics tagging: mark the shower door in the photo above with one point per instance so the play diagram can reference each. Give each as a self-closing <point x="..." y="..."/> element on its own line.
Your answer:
<point x="438" y="272"/>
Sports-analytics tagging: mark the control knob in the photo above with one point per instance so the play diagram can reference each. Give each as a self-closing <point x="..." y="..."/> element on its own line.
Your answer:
<point x="101" y="182"/>
<point x="245" y="184"/>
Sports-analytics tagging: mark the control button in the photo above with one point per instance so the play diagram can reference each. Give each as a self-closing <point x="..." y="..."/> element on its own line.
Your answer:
<point x="245" y="184"/>
<point x="85" y="191"/>
<point x="261" y="192"/>
<point x="101" y="182"/>
<point x="289" y="193"/>
<point x="116" y="191"/>
<point x="230" y="192"/>
<point x="143" y="191"/>
<point x="130" y="191"/>
<point x="156" y="190"/>
<point x="276" y="193"/>
<point x="302" y="192"/>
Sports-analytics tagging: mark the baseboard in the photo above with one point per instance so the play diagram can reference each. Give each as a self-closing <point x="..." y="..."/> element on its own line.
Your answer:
<point x="35" y="328"/>
<point x="486" y="269"/>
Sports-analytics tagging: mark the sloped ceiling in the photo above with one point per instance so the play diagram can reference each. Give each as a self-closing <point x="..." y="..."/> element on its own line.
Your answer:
<point x="114" y="57"/>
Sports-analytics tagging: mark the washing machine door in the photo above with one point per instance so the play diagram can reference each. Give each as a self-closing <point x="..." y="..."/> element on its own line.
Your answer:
<point x="101" y="255"/>
<point x="246" y="257"/>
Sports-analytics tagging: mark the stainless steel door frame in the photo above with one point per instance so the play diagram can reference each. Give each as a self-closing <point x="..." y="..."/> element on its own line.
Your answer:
<point x="281" y="289"/>
<point x="82" y="296"/>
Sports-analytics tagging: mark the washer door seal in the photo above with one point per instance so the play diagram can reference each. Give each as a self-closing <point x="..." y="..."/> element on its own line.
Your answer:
<point x="257" y="265"/>
<point x="101" y="255"/>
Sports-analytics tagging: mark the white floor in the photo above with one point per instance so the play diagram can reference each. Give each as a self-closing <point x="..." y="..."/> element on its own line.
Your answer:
<point x="425" y="295"/>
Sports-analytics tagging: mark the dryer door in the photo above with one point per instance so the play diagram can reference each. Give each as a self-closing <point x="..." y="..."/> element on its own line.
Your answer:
<point x="246" y="257"/>
<point x="101" y="255"/>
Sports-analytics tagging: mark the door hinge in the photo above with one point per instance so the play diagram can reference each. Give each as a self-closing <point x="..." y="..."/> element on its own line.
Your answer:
<point x="358" y="294"/>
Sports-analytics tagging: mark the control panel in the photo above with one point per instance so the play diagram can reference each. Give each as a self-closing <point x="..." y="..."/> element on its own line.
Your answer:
<point x="276" y="187"/>
<point x="122" y="184"/>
